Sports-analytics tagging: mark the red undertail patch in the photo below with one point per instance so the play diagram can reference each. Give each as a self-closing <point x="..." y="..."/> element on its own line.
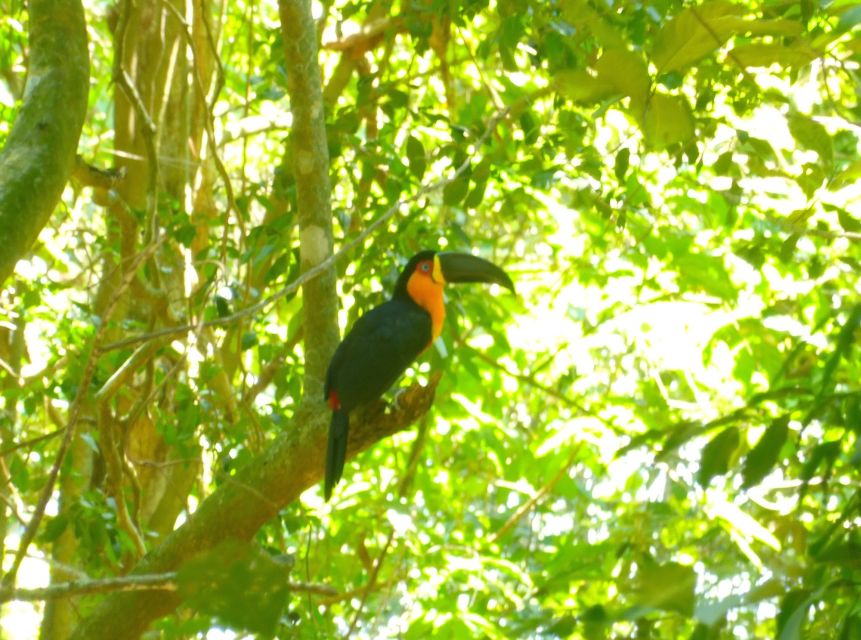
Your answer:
<point x="334" y="402"/>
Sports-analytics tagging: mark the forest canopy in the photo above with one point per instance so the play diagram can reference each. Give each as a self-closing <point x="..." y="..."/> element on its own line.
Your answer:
<point x="657" y="436"/>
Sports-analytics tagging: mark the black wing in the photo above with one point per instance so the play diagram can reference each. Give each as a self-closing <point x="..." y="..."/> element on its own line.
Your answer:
<point x="376" y="351"/>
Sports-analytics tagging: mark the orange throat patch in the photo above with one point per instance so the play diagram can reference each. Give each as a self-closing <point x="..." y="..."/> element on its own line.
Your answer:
<point x="428" y="295"/>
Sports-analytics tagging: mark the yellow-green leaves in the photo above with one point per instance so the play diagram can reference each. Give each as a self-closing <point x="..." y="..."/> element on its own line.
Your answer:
<point x="812" y="135"/>
<point x="617" y="71"/>
<point x="665" y="119"/>
<point x="693" y="34"/>
<point x="581" y="15"/>
<point x="765" y="54"/>
<point x="762" y="458"/>
<point x="416" y="156"/>
<point x="668" y="586"/>
<point x="668" y="120"/>
<point x="625" y="72"/>
<point x="698" y="31"/>
<point x="717" y="455"/>
<point x="581" y="86"/>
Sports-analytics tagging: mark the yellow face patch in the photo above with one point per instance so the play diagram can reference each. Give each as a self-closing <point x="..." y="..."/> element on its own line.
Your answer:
<point x="437" y="271"/>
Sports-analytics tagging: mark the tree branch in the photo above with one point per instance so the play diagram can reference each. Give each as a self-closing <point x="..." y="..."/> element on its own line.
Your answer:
<point x="40" y="152"/>
<point x="534" y="500"/>
<point x="166" y="581"/>
<point x="238" y="508"/>
<point x="310" y="155"/>
<point x="146" y="582"/>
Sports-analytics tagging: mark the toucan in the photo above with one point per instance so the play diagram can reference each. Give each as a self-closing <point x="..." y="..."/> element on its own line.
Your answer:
<point x="388" y="338"/>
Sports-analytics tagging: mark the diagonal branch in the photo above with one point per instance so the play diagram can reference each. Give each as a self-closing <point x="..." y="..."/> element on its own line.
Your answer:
<point x="242" y="505"/>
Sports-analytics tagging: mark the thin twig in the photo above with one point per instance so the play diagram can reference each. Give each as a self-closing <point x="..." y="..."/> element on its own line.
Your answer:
<point x="543" y="491"/>
<point x="372" y="581"/>
<point x="29" y="443"/>
<point x="550" y="391"/>
<point x="60" y="568"/>
<point x="313" y="589"/>
<point x="346" y="596"/>
<point x="403" y="489"/>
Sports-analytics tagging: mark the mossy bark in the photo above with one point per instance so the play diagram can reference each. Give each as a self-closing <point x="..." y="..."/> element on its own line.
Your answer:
<point x="40" y="152"/>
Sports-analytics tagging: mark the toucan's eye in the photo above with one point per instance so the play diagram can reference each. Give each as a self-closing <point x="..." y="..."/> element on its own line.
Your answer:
<point x="426" y="267"/>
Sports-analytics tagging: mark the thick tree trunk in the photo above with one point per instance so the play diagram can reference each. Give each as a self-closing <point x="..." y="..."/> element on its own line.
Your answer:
<point x="40" y="151"/>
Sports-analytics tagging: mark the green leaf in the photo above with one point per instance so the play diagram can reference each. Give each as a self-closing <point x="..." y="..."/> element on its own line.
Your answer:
<point x="455" y="191"/>
<point x="249" y="339"/>
<point x="852" y="413"/>
<point x="717" y="455"/>
<point x="668" y="121"/>
<point x="698" y="31"/>
<point x="626" y="72"/>
<point x="765" y="54"/>
<point x="793" y="612"/>
<point x="185" y="234"/>
<point x="845" y="340"/>
<point x="581" y="14"/>
<point x="776" y="27"/>
<point x="530" y="127"/>
<point x="579" y="86"/>
<point x="237" y="583"/>
<point x="670" y="586"/>
<point x="476" y="196"/>
<point x="811" y="135"/>
<point x="693" y="34"/>
<point x="222" y="306"/>
<point x="849" y="19"/>
<point x="620" y="166"/>
<point x="762" y="458"/>
<point x="849" y="175"/>
<point x="54" y="528"/>
<point x="848" y="223"/>
<point x="416" y="157"/>
<point x="20" y="474"/>
<point x="700" y="271"/>
<point x="827" y="452"/>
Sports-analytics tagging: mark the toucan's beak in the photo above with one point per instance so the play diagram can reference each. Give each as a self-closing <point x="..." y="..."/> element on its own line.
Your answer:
<point x="463" y="267"/>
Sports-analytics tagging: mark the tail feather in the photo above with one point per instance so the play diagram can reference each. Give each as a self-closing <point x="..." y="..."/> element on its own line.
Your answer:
<point x="336" y="453"/>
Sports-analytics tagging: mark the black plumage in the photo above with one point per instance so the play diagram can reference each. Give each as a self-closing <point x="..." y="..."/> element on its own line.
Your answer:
<point x="373" y="355"/>
<point x="387" y="339"/>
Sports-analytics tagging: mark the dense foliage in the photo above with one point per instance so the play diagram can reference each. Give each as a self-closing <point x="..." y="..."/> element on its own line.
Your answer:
<point x="658" y="436"/>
